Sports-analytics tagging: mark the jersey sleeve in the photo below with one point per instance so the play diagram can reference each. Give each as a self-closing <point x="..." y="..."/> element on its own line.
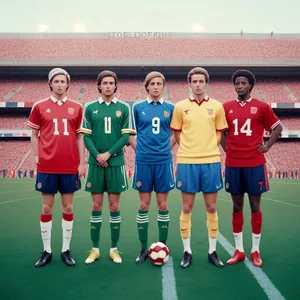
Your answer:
<point x="34" y="120"/>
<point x="270" y="119"/>
<point x="176" y="122"/>
<point x="220" y="121"/>
<point x="86" y="126"/>
<point x="127" y="121"/>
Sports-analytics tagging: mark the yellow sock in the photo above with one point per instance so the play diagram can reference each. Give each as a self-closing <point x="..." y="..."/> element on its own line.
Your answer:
<point x="212" y="225"/>
<point x="185" y="225"/>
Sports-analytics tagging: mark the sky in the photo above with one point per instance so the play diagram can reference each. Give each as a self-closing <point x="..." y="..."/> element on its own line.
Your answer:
<point x="211" y="16"/>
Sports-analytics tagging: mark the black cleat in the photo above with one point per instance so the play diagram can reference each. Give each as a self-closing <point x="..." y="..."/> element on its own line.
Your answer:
<point x="186" y="260"/>
<point x="215" y="260"/>
<point x="67" y="258"/>
<point x="142" y="256"/>
<point x="45" y="258"/>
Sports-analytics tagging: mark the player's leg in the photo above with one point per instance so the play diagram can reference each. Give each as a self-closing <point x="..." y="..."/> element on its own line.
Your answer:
<point x="257" y="183"/>
<point x="68" y="184"/>
<point x="163" y="183"/>
<point x="235" y="185"/>
<point x="143" y="183"/>
<point x="116" y="182"/>
<point x="95" y="185"/>
<point x="48" y="185"/>
<point x="211" y="183"/>
<point x="188" y="182"/>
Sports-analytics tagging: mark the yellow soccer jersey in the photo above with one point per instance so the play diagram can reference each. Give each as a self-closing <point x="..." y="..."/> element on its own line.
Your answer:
<point x="198" y="123"/>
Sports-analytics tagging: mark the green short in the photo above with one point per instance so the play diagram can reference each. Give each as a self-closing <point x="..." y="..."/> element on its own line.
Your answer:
<point x="110" y="179"/>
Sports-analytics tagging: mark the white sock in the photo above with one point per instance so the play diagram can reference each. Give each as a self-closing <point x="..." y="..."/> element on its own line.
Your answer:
<point x="238" y="238"/>
<point x="255" y="242"/>
<point x="187" y="245"/>
<point x="67" y="228"/>
<point x="112" y="249"/>
<point x="96" y="249"/>
<point x="212" y="244"/>
<point x="46" y="228"/>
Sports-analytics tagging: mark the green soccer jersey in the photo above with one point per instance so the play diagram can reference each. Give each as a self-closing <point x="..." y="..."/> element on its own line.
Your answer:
<point x="106" y="128"/>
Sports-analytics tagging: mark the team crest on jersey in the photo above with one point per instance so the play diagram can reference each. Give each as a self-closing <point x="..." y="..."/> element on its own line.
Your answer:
<point x="139" y="184"/>
<point x="71" y="110"/>
<point x="210" y="111"/>
<point x="166" y="114"/>
<point x="118" y="113"/>
<point x="179" y="183"/>
<point x="231" y="111"/>
<point x="88" y="185"/>
<point x="39" y="185"/>
<point x="253" y="110"/>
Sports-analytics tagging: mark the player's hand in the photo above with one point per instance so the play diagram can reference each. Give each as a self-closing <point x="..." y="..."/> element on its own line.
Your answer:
<point x="81" y="171"/>
<point x="102" y="158"/>
<point x="104" y="165"/>
<point x="36" y="160"/>
<point x="262" y="148"/>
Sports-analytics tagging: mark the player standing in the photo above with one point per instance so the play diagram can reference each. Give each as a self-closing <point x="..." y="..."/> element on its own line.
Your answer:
<point x="153" y="161"/>
<point x="106" y="127"/>
<point x="59" y="154"/>
<point x="245" y="162"/>
<point x="198" y="123"/>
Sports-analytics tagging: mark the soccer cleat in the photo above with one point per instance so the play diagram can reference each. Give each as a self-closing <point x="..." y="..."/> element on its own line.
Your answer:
<point x="215" y="260"/>
<point x="67" y="258"/>
<point x="237" y="256"/>
<point x="256" y="259"/>
<point x="45" y="258"/>
<point x="94" y="255"/>
<point x="142" y="256"/>
<point x="115" y="256"/>
<point x="186" y="260"/>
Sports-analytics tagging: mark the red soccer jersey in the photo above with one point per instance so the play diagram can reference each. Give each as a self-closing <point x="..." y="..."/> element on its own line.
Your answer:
<point x="246" y="124"/>
<point x="58" y="123"/>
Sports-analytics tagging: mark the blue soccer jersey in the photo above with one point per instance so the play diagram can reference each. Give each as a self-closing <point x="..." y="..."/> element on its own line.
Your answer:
<point x="152" y="124"/>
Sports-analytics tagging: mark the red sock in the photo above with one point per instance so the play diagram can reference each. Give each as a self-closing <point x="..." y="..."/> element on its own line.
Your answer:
<point x="256" y="222"/>
<point x="45" y="218"/>
<point x="237" y="222"/>
<point x="68" y="217"/>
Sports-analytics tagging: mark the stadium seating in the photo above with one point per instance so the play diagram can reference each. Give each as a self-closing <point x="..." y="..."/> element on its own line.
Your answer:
<point x="138" y="48"/>
<point x="291" y="123"/>
<point x="13" y="122"/>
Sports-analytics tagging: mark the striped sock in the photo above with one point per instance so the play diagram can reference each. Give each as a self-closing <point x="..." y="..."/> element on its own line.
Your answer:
<point x="163" y="219"/>
<point x="142" y="220"/>
<point x="115" y="227"/>
<point x="96" y="222"/>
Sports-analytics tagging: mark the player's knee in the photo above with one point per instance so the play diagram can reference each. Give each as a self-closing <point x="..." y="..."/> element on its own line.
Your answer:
<point x="144" y="205"/>
<point x="237" y="207"/>
<point x="114" y="207"/>
<point x="163" y="206"/>
<point x="47" y="209"/>
<point x="255" y="207"/>
<point x="211" y="208"/>
<point x="97" y="206"/>
<point x="187" y="208"/>
<point x="67" y="209"/>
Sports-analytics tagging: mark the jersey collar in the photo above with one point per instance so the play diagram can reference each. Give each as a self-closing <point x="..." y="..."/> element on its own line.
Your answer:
<point x="242" y="103"/>
<point x="58" y="102"/>
<point x="192" y="99"/>
<point x="161" y="100"/>
<point x="114" y="100"/>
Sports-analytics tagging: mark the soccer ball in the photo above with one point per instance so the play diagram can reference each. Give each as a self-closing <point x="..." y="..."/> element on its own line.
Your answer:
<point x="158" y="253"/>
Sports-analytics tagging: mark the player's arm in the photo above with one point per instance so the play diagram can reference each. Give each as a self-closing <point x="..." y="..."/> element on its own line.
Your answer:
<point x="275" y="134"/>
<point x="132" y="142"/>
<point x="221" y="126"/>
<point x="80" y="147"/>
<point x="176" y="123"/>
<point x="86" y="129"/>
<point x="223" y="142"/>
<point x="35" y="144"/>
<point x="173" y="140"/>
<point x="271" y="123"/>
<point x="132" y="138"/>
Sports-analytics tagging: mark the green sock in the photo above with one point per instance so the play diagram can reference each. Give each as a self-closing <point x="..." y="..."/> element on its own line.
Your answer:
<point x="96" y="222"/>
<point x="163" y="220"/>
<point x="142" y="226"/>
<point x="115" y="226"/>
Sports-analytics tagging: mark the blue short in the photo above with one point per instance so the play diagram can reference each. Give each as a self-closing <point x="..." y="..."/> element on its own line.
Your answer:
<point x="195" y="178"/>
<point x="159" y="178"/>
<point x="51" y="183"/>
<point x="253" y="181"/>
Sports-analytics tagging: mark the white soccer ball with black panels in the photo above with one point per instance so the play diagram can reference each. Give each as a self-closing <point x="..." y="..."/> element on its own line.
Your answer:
<point x="158" y="253"/>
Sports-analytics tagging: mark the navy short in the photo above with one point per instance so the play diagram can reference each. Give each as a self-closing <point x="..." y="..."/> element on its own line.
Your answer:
<point x="195" y="178"/>
<point x="253" y="180"/>
<point x="51" y="183"/>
